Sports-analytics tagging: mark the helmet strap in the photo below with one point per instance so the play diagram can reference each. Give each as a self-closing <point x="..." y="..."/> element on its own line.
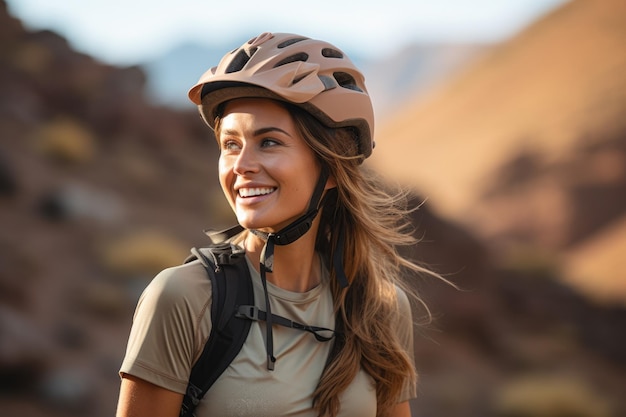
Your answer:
<point x="340" y="273"/>
<point x="287" y="235"/>
<point x="296" y="229"/>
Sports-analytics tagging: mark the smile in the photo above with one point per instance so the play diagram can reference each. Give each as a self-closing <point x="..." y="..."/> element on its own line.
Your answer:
<point x="253" y="192"/>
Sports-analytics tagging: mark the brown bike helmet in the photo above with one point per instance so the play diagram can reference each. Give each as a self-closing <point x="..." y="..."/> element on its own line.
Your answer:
<point x="312" y="74"/>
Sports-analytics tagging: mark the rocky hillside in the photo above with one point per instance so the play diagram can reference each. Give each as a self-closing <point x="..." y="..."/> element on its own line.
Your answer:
<point x="100" y="189"/>
<point x="527" y="148"/>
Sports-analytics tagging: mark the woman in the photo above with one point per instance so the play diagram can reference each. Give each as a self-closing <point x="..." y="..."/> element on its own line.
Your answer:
<point x="294" y="123"/>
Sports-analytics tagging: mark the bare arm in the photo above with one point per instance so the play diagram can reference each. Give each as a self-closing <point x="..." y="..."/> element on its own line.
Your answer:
<point x="139" y="398"/>
<point x="401" y="410"/>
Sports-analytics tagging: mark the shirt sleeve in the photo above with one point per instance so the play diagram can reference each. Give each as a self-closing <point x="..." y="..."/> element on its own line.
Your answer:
<point x="405" y="335"/>
<point x="170" y="327"/>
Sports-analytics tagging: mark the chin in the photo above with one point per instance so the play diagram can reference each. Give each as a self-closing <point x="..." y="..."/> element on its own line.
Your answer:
<point x="263" y="224"/>
<point x="254" y="224"/>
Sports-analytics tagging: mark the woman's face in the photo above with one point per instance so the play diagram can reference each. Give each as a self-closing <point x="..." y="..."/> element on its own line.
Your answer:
<point x="267" y="171"/>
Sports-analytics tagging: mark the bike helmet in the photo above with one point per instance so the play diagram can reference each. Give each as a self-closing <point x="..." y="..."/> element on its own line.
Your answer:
<point x="312" y="74"/>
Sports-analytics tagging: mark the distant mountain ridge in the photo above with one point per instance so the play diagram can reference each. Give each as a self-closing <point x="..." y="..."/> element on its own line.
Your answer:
<point x="173" y="73"/>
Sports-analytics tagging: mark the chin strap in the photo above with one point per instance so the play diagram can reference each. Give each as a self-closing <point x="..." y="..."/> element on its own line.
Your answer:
<point x="288" y="235"/>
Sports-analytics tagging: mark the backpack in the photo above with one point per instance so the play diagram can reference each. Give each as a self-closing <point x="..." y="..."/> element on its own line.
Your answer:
<point x="231" y="284"/>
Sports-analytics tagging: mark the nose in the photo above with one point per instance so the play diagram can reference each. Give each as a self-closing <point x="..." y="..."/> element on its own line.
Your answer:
<point x="246" y="161"/>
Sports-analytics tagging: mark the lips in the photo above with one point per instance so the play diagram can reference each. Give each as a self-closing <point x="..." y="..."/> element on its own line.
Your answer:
<point x="255" y="192"/>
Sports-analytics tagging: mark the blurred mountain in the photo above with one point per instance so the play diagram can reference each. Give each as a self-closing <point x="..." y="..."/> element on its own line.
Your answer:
<point x="101" y="187"/>
<point x="527" y="146"/>
<point x="172" y="74"/>
<point x="398" y="76"/>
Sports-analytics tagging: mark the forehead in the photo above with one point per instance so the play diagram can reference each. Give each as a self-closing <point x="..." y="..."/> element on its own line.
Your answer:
<point x="261" y="109"/>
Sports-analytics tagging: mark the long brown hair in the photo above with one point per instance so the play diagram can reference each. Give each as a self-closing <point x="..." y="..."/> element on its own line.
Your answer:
<point x="375" y="224"/>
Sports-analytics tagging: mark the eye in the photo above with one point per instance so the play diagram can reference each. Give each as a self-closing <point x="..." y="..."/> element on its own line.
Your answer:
<point x="230" y="145"/>
<point x="269" y="142"/>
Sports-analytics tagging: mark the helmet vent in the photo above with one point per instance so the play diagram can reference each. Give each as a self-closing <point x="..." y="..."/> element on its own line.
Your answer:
<point x="331" y="53"/>
<point x="346" y="80"/>
<point x="329" y="82"/>
<point x="239" y="61"/>
<point x="303" y="57"/>
<point x="289" y="42"/>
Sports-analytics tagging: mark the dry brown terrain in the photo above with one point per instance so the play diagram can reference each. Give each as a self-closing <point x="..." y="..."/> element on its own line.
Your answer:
<point x="508" y="147"/>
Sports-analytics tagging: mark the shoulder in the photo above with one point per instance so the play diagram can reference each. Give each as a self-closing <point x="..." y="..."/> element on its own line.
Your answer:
<point x="403" y="302"/>
<point x="404" y="323"/>
<point x="404" y="314"/>
<point x="170" y="327"/>
<point x="184" y="286"/>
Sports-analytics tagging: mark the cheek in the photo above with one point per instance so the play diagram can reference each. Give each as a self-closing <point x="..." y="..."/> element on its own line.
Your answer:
<point x="225" y="175"/>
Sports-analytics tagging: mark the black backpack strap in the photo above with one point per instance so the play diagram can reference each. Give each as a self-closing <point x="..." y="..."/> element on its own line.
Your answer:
<point x="227" y="268"/>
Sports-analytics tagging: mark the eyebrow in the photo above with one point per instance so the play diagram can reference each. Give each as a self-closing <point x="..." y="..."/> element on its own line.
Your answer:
<point x="258" y="132"/>
<point x="264" y="130"/>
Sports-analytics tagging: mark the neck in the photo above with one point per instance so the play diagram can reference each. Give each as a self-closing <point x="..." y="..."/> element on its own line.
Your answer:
<point x="296" y="266"/>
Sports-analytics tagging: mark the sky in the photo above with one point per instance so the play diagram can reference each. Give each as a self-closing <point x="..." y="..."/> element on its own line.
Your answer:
<point x="126" y="32"/>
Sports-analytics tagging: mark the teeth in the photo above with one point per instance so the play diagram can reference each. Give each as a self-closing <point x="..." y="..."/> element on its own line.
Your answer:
<point x="251" y="192"/>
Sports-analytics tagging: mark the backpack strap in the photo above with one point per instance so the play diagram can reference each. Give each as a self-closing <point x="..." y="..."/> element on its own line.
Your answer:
<point x="231" y="284"/>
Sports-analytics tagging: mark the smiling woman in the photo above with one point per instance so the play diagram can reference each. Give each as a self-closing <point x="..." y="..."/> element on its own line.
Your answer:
<point x="294" y="123"/>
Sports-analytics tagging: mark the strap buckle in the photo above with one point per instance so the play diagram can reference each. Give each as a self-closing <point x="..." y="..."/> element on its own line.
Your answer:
<point x="248" y="312"/>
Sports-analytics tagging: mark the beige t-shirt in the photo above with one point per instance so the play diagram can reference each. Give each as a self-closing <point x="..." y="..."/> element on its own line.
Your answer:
<point x="172" y="323"/>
